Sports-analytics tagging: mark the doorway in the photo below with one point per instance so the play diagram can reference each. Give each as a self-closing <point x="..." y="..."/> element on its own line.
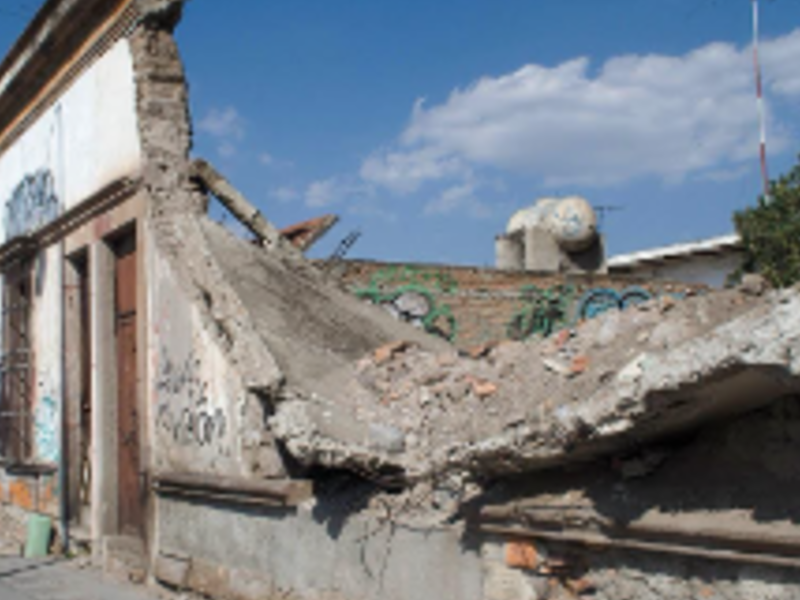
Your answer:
<point x="131" y="494"/>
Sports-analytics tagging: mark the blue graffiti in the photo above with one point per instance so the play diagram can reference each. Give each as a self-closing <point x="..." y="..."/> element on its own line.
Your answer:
<point x="33" y="204"/>
<point x="597" y="301"/>
<point x="45" y="429"/>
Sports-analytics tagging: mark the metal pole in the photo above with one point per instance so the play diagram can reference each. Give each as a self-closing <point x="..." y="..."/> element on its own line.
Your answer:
<point x="760" y="103"/>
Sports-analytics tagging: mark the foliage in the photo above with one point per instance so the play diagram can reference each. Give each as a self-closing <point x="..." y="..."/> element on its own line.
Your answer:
<point x="770" y="232"/>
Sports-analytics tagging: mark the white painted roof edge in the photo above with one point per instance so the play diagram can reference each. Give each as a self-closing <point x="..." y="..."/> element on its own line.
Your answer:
<point x="716" y="244"/>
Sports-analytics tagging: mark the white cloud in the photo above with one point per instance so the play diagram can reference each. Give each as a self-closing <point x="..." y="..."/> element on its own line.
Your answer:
<point x="226" y="126"/>
<point x="724" y="175"/>
<point x="268" y="160"/>
<point x="461" y="198"/>
<point x="780" y="58"/>
<point x="637" y="116"/>
<point x="403" y="172"/>
<point x="224" y="123"/>
<point x="226" y="149"/>
<point x="323" y="193"/>
<point x="285" y="194"/>
<point x="335" y="190"/>
<point x="370" y="208"/>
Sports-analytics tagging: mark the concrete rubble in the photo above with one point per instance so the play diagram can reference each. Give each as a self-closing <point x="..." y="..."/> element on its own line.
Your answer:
<point x="405" y="415"/>
<point x="274" y="435"/>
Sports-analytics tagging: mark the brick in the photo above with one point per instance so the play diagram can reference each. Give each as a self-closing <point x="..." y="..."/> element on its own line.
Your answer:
<point x="522" y="555"/>
<point x="482" y="388"/>
<point x="579" y="365"/>
<point x="389" y="351"/>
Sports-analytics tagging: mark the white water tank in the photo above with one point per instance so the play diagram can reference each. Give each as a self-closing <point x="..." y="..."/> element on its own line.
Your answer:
<point x="573" y="224"/>
<point x="532" y="216"/>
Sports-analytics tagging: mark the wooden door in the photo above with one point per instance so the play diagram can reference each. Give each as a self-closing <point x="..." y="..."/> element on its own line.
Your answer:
<point x="131" y="494"/>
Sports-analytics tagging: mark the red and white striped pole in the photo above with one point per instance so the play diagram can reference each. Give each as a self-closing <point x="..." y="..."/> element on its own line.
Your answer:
<point x="760" y="100"/>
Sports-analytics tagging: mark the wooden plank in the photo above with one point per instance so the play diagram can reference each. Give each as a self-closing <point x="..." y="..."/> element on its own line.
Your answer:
<point x="288" y="492"/>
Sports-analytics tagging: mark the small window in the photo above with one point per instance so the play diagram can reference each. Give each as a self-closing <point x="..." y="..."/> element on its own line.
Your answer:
<point x="15" y="366"/>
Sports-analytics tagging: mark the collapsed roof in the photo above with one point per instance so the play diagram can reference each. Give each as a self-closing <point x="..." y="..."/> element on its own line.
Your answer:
<point x="620" y="380"/>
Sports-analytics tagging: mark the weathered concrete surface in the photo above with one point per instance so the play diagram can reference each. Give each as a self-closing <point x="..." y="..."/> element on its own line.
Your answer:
<point x="247" y="214"/>
<point x="703" y="516"/>
<point x="621" y="379"/>
<point x="57" y="579"/>
<point x="312" y="329"/>
<point x="322" y="552"/>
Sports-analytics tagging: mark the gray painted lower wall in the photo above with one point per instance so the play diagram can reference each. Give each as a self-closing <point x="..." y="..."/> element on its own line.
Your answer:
<point x="273" y="551"/>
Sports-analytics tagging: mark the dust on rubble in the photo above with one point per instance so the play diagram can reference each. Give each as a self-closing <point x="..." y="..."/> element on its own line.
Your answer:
<point x="427" y="414"/>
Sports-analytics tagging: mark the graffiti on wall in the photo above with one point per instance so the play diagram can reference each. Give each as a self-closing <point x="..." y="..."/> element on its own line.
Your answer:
<point x="423" y="296"/>
<point x="184" y="410"/>
<point x="546" y="311"/>
<point x="599" y="300"/>
<point x="33" y="203"/>
<point x="45" y="426"/>
<point x="543" y="311"/>
<point x="413" y="295"/>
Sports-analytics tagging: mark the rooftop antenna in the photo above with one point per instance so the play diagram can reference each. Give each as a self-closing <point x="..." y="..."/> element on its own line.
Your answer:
<point x="603" y="210"/>
<point x="760" y="102"/>
<point x="344" y="246"/>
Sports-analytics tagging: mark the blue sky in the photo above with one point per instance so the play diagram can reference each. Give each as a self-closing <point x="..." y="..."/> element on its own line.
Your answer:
<point x="426" y="123"/>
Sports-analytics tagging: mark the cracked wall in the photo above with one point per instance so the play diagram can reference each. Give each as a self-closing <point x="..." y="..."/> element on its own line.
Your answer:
<point x="704" y="515"/>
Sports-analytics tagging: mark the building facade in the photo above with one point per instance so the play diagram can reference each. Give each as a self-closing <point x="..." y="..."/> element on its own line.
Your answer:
<point x="218" y="416"/>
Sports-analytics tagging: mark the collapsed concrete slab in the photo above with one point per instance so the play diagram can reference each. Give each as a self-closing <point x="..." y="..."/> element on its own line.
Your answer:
<point x="620" y="380"/>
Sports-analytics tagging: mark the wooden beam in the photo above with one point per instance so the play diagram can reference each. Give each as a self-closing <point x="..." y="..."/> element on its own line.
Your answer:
<point x="247" y="214"/>
<point x="240" y="490"/>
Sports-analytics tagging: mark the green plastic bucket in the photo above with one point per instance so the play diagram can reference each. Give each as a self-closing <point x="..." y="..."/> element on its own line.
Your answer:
<point x="37" y="543"/>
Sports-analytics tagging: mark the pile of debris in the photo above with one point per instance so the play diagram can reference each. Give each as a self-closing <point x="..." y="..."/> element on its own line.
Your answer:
<point x="406" y="415"/>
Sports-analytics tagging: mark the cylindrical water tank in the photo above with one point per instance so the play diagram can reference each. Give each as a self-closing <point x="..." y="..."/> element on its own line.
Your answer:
<point x="573" y="224"/>
<point x="532" y="216"/>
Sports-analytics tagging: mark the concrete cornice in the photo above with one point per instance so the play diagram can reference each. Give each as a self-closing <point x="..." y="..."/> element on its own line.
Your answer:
<point x="59" y="44"/>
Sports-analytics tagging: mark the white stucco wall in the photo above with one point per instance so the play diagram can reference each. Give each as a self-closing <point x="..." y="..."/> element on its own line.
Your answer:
<point x="47" y="330"/>
<point x="88" y="139"/>
<point x="85" y="141"/>
<point x="711" y="270"/>
<point x="197" y="400"/>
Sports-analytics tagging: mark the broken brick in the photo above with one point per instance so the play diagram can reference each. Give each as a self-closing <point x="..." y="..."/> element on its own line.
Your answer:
<point x="666" y="303"/>
<point x="562" y="337"/>
<point x="484" y="389"/>
<point x="580" y="586"/>
<point x="388" y="351"/>
<point x="522" y="555"/>
<point x="579" y="365"/>
<point x="480" y="351"/>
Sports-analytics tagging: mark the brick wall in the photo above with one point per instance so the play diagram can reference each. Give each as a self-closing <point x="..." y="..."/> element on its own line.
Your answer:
<point x="473" y="306"/>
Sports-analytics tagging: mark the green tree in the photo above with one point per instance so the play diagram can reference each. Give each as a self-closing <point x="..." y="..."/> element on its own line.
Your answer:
<point x="770" y="232"/>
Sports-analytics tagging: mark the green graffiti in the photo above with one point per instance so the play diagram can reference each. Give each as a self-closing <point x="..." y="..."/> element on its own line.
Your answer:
<point x="408" y="274"/>
<point x="410" y="294"/>
<point x="543" y="311"/>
